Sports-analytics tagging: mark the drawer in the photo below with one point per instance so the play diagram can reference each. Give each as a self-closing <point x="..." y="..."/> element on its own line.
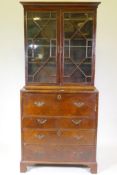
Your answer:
<point x="41" y="122"/>
<point x="59" y="153"/>
<point x="59" y="136"/>
<point x="73" y="104"/>
<point x="59" y="122"/>
<point x="77" y="123"/>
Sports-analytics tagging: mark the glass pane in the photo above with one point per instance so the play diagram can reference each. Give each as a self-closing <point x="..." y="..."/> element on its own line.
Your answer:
<point x="78" y="41"/>
<point x="41" y="34"/>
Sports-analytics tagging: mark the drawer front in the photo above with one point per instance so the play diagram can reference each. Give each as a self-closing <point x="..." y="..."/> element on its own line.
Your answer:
<point x="77" y="123"/>
<point x="59" y="153"/>
<point x="41" y="122"/>
<point x="59" y="122"/>
<point x="79" y="137"/>
<point x="82" y="104"/>
<point x="39" y="104"/>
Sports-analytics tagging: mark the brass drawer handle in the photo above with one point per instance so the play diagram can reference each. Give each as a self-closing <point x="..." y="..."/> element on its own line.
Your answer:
<point x="78" y="154"/>
<point x="76" y="122"/>
<point x="78" y="137"/>
<point x="41" y="120"/>
<point x="79" y="104"/>
<point x="39" y="103"/>
<point x="40" y="136"/>
<point x="59" y="97"/>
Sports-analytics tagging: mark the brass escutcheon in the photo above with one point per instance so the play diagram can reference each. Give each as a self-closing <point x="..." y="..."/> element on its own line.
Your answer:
<point x="59" y="97"/>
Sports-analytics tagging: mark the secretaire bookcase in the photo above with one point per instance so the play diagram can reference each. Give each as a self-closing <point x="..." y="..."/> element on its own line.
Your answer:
<point x="59" y="102"/>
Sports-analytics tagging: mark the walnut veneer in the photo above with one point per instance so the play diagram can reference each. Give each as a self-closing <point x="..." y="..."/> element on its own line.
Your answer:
<point x="59" y="103"/>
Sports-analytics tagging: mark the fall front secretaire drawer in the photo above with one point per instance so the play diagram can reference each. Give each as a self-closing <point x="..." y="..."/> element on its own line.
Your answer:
<point x="59" y="104"/>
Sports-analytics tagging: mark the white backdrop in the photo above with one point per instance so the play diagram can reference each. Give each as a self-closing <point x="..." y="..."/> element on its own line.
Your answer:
<point x="12" y="80"/>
